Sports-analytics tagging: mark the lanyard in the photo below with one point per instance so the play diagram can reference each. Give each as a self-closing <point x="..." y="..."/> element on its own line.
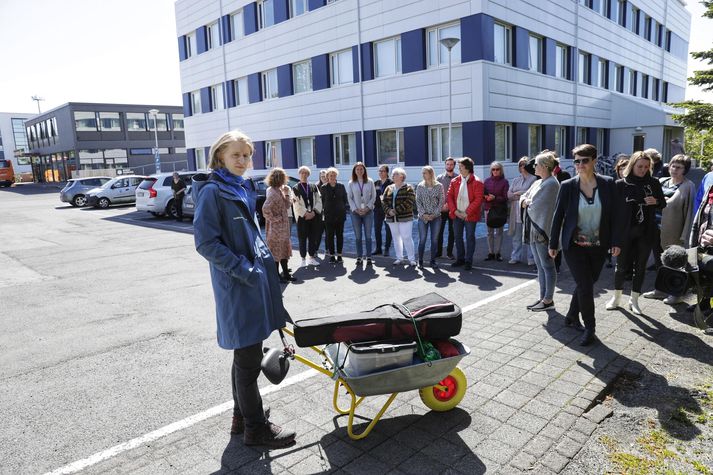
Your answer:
<point x="361" y="187"/>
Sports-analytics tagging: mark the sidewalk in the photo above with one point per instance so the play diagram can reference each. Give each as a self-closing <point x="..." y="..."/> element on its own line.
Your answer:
<point x="531" y="405"/>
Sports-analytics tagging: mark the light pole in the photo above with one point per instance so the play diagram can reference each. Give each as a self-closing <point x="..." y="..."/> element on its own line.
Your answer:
<point x="37" y="99"/>
<point x="449" y="43"/>
<point x="157" y="156"/>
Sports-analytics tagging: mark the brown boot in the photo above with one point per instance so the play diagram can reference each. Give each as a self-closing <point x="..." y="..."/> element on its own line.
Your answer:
<point x="238" y="425"/>
<point x="269" y="435"/>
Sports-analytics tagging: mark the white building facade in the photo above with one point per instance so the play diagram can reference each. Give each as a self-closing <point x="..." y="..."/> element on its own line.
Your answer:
<point x="13" y="142"/>
<point x="328" y="83"/>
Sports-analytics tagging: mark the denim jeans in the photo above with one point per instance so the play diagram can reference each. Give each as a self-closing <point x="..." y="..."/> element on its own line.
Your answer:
<point x="364" y="223"/>
<point x="464" y="253"/>
<point x="446" y="221"/>
<point x="518" y="248"/>
<point x="246" y="393"/>
<point x="545" y="269"/>
<point x="379" y="223"/>
<point x="423" y="228"/>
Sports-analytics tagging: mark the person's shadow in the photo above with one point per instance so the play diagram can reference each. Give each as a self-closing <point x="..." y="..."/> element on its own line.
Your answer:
<point x="437" y="277"/>
<point x="361" y="274"/>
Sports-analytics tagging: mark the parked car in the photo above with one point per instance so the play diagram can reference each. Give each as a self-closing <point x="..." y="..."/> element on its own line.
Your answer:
<point x="7" y="173"/>
<point x="259" y="183"/>
<point x="119" y="190"/>
<point x="76" y="189"/>
<point x="155" y="195"/>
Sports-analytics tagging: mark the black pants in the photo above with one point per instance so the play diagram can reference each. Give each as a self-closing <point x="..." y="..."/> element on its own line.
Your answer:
<point x="178" y="206"/>
<point x="635" y="252"/>
<point x="657" y="249"/>
<point x="334" y="230"/>
<point x="585" y="264"/>
<point x="446" y="219"/>
<point x="246" y="393"/>
<point x="378" y="224"/>
<point x="309" y="234"/>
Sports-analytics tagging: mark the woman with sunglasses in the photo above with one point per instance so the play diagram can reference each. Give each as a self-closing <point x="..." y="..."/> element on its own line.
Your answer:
<point x="496" y="199"/>
<point x="640" y="195"/>
<point x="587" y="231"/>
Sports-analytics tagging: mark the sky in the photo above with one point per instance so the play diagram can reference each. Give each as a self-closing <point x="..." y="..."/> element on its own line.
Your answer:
<point x="125" y="51"/>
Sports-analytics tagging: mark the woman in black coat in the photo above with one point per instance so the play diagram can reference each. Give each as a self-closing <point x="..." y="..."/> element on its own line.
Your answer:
<point x="639" y="196"/>
<point x="588" y="231"/>
<point x="334" y="213"/>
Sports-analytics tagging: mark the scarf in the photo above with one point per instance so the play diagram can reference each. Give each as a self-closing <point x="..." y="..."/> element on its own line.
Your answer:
<point x="236" y="185"/>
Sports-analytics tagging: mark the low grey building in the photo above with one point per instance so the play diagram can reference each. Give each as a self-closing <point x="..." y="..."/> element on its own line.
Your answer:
<point x="84" y="139"/>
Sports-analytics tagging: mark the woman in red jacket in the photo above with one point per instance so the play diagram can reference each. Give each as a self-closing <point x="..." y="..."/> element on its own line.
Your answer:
<point x="464" y="205"/>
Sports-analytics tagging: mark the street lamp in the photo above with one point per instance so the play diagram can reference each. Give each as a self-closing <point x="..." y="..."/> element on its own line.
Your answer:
<point x="449" y="43"/>
<point x="37" y="99"/>
<point x="157" y="156"/>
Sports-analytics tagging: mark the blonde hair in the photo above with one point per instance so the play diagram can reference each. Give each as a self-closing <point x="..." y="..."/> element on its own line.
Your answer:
<point x="547" y="159"/>
<point x="304" y="168"/>
<point x="430" y="174"/>
<point x="332" y="170"/>
<point x="276" y="177"/>
<point x="217" y="149"/>
<point x="635" y="157"/>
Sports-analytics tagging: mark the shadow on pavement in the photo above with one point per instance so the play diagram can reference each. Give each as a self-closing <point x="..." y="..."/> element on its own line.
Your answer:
<point x="33" y="189"/>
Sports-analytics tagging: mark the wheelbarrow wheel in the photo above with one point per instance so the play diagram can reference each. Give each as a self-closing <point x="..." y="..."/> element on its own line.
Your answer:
<point x="447" y="394"/>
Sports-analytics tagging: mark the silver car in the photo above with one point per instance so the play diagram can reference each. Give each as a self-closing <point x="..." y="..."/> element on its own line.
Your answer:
<point x="76" y="189"/>
<point x="119" y="190"/>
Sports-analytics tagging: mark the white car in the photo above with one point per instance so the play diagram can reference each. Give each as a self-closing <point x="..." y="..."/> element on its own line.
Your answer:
<point x="119" y="190"/>
<point x="155" y="195"/>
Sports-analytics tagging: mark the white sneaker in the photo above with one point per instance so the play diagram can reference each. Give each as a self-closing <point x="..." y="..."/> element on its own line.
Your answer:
<point x="413" y="263"/>
<point x="654" y="294"/>
<point x="303" y="263"/>
<point x="397" y="262"/>
<point x="313" y="262"/>
<point x="512" y="261"/>
<point x="672" y="300"/>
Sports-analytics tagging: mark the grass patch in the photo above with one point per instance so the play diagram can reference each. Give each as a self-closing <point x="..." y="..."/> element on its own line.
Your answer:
<point x="681" y="416"/>
<point x="608" y="442"/>
<point x="655" y="444"/>
<point x="700" y="468"/>
<point x="633" y="464"/>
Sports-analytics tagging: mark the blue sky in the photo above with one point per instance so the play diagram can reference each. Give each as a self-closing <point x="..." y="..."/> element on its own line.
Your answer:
<point x="124" y="51"/>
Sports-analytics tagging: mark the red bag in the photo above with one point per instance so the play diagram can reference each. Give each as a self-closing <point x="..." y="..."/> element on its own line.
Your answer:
<point x="445" y="348"/>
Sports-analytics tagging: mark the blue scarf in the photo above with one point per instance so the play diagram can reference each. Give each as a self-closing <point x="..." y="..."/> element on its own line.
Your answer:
<point x="237" y="186"/>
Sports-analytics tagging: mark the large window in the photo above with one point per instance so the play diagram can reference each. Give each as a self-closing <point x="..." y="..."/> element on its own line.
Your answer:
<point x="340" y="64"/>
<point x="621" y="13"/>
<point x="216" y="97"/>
<point x="269" y="84"/>
<point x="136" y="122"/>
<point x="390" y="146"/>
<point x="645" y="86"/>
<point x="438" y="142"/>
<point x="585" y="65"/>
<point x="387" y="57"/>
<point x="647" y="27"/>
<point x="177" y="120"/>
<point x="632" y="82"/>
<point x="213" y="35"/>
<point x="18" y="132"/>
<point x="503" y="142"/>
<point x="302" y="76"/>
<point x="620" y="79"/>
<point x="582" y="134"/>
<point x="161" y="122"/>
<point x="109" y="122"/>
<point x="535" y="54"/>
<point x="191" y="44"/>
<point x="635" y="14"/>
<point x="561" y="141"/>
<point x="196" y="107"/>
<point x="265" y="13"/>
<point x="534" y="139"/>
<point x="237" y="26"/>
<point x="200" y="159"/>
<point x="600" y="141"/>
<point x="561" y="61"/>
<point x="273" y="154"/>
<point x="345" y="150"/>
<point x="305" y="151"/>
<point x="603" y="73"/>
<point x="83" y="122"/>
<point x="655" y="94"/>
<point x="437" y="53"/>
<point x="298" y="7"/>
<point x="241" y="91"/>
<point x="503" y="44"/>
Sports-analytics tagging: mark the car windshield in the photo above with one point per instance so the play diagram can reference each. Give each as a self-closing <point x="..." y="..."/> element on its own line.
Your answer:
<point x="146" y="184"/>
<point x="109" y="183"/>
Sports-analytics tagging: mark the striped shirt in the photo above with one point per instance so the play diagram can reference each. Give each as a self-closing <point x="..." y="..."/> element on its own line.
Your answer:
<point x="429" y="200"/>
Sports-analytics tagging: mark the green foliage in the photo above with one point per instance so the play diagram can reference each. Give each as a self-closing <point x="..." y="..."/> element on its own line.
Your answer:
<point x="693" y="140"/>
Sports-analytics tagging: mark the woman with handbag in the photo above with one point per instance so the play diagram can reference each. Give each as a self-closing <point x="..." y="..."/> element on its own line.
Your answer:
<point x="278" y="199"/>
<point x="496" y="209"/>
<point x="518" y="187"/>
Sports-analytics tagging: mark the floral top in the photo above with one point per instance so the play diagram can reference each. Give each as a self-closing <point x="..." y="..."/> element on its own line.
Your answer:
<point x="429" y="200"/>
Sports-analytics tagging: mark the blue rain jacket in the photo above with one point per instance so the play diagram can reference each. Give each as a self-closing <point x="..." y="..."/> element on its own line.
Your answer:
<point x="248" y="297"/>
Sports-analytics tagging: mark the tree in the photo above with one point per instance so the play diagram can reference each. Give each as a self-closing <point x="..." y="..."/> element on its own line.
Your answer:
<point x="699" y="114"/>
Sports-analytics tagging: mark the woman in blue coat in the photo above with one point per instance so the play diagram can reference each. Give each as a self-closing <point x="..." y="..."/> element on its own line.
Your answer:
<point x="246" y="286"/>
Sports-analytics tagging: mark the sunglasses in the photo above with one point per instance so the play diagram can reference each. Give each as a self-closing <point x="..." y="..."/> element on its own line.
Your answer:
<point x="582" y="161"/>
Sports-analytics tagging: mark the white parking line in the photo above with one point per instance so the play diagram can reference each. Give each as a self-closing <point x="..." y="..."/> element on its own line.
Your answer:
<point x="227" y="406"/>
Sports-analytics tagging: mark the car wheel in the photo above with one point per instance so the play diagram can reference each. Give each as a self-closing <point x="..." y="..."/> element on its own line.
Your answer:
<point x="171" y="209"/>
<point x="79" y="201"/>
<point x="103" y="203"/>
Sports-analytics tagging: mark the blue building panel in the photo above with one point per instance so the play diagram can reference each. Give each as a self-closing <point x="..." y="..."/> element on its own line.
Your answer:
<point x="521" y="41"/>
<point x="416" y="145"/>
<point x="206" y="105"/>
<point x="315" y="4"/>
<point x="202" y="39"/>
<point x="254" y="88"/>
<point x="370" y="148"/>
<point x="284" y="80"/>
<point x="282" y="10"/>
<point x="289" y="153"/>
<point x="573" y="57"/>
<point x="367" y="61"/>
<point x="571" y="142"/>
<point x="320" y="72"/>
<point x="413" y="51"/>
<point x="592" y="136"/>
<point x="225" y="33"/>
<point x="548" y="137"/>
<point x="477" y="38"/>
<point x="359" y="154"/>
<point x="355" y="62"/>
<point x="191" y="156"/>
<point x="187" y="112"/>
<point x="259" y="155"/>
<point x="182" y="55"/>
<point x="550" y="55"/>
<point x="229" y="88"/>
<point x="323" y="149"/>
<point x="479" y="141"/>
<point x="593" y="69"/>
<point x="250" y="18"/>
<point x="520" y="138"/>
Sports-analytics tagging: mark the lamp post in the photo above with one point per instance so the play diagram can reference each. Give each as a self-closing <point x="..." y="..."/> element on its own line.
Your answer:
<point x="157" y="156"/>
<point x="449" y="43"/>
<point x="37" y="99"/>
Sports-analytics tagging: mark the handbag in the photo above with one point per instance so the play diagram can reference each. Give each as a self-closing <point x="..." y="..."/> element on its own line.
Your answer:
<point x="497" y="216"/>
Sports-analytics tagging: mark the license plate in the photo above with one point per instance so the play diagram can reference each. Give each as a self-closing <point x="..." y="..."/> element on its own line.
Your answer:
<point x="189" y="206"/>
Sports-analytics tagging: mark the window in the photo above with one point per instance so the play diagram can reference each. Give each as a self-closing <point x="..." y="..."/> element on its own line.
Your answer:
<point x="147" y="151"/>
<point x="191" y="44"/>
<point x="200" y="159"/>
<point x="585" y="65"/>
<point x="534" y="139"/>
<point x="305" y="152"/>
<point x="387" y="57"/>
<point x="136" y="121"/>
<point x="668" y="40"/>
<point x="645" y="86"/>
<point x="196" y="102"/>
<point x="179" y="150"/>
<point x="561" y="141"/>
<point x="535" y="53"/>
<point x="216" y="97"/>
<point x="503" y="142"/>
<point x="273" y="154"/>
<point x="344" y="149"/>
<point x="213" y="35"/>
<point x="50" y="128"/>
<point x="620" y="79"/>
<point x="437" y="53"/>
<point x="603" y="73"/>
<point x="177" y="120"/>
<point x="265" y="13"/>
<point x="664" y="92"/>
<point x="632" y="82"/>
<point x="659" y="34"/>
<point x="621" y="13"/>
<point x="647" y="27"/>
<point x="109" y="122"/>
<point x="298" y="7"/>
<point x="302" y="76"/>
<point x="635" y="16"/>
<point x="600" y="141"/>
<point x="83" y="122"/>
<point x="237" y="27"/>
<point x="269" y="84"/>
<point x="438" y="142"/>
<point x="582" y="133"/>
<point x="241" y="91"/>
<point x="655" y="94"/>
<point x="390" y="146"/>
<point x="161" y="122"/>
<point x="503" y="44"/>
<point x="561" y="61"/>
<point x="340" y="64"/>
